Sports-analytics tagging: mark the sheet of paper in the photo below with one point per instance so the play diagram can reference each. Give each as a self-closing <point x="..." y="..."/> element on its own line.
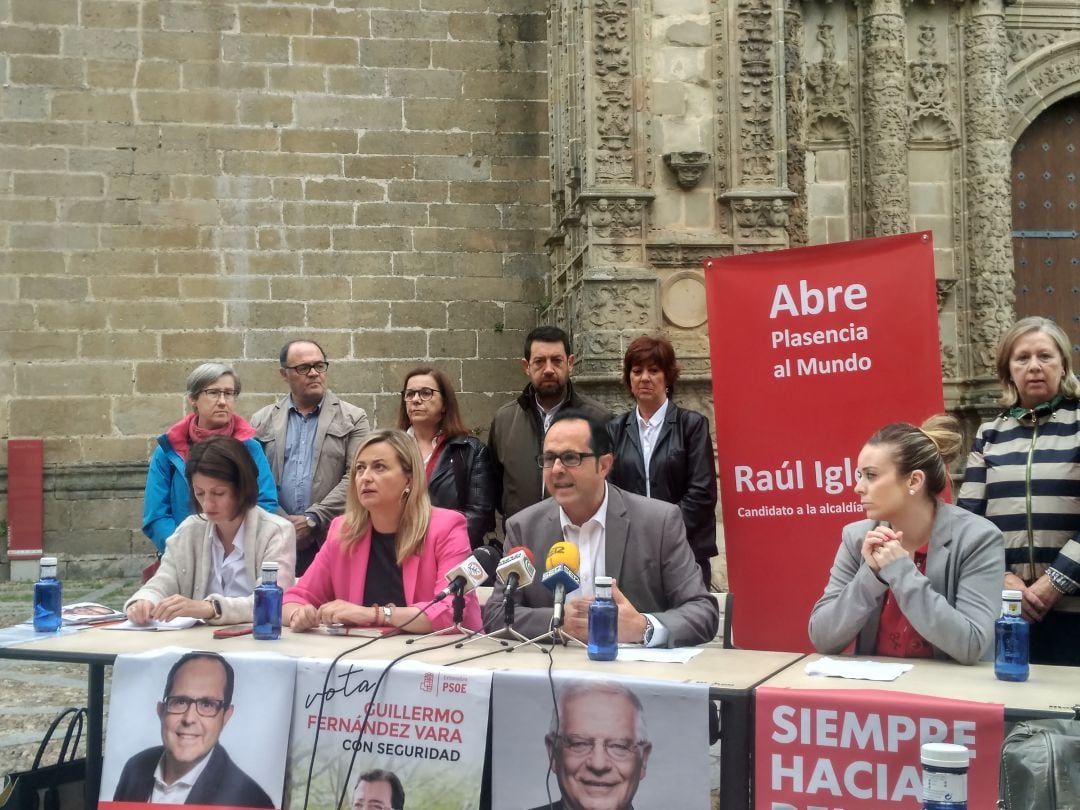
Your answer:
<point x="179" y="623"/>
<point x="676" y="655"/>
<point x="857" y="670"/>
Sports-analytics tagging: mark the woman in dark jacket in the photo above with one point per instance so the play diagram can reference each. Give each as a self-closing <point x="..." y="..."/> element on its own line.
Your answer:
<point x="458" y="466"/>
<point x="681" y="463"/>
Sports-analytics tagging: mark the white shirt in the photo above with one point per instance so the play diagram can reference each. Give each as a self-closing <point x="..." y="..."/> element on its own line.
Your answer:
<point x="228" y="575"/>
<point x="591" y="538"/>
<point x="649" y="431"/>
<point x="545" y="419"/>
<point x="178" y="791"/>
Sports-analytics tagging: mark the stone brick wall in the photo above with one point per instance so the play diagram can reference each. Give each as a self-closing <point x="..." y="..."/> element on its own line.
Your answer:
<point x="182" y="181"/>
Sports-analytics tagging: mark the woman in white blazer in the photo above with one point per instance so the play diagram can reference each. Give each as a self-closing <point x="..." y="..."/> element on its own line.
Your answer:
<point x="213" y="560"/>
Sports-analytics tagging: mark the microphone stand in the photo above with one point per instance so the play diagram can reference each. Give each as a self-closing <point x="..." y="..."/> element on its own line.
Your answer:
<point x="556" y="635"/>
<point x="502" y="634"/>
<point x="459" y="617"/>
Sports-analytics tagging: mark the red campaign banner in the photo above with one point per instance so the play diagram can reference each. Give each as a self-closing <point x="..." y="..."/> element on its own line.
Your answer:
<point x="813" y="349"/>
<point x="858" y="749"/>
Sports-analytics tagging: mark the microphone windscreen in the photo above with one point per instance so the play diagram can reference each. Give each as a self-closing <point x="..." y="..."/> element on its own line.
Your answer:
<point x="526" y="551"/>
<point x="487" y="557"/>
<point x="564" y="553"/>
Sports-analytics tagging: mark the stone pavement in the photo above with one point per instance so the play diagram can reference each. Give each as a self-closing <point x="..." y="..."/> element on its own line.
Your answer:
<point x="32" y="693"/>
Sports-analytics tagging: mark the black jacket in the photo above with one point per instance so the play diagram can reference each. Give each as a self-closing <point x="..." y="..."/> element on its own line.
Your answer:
<point x="222" y="783"/>
<point x="515" y="440"/>
<point x="463" y="480"/>
<point x="682" y="470"/>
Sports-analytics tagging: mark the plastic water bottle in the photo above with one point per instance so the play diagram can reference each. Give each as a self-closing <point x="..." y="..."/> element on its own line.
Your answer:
<point x="268" y="604"/>
<point x="945" y="770"/>
<point x="1011" y="640"/>
<point x="603" y="623"/>
<point x="48" y="598"/>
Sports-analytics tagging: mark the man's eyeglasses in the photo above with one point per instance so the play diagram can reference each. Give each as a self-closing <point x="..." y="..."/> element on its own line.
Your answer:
<point x="303" y="369"/>
<point x="584" y="746"/>
<point x="205" y="707"/>
<point x="425" y="394"/>
<point x="218" y="393"/>
<point x="568" y="459"/>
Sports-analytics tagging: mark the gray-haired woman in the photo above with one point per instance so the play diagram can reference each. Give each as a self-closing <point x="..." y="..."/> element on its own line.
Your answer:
<point x="212" y="389"/>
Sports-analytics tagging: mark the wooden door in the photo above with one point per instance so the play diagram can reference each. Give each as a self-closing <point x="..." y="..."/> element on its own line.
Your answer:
<point x="1046" y="217"/>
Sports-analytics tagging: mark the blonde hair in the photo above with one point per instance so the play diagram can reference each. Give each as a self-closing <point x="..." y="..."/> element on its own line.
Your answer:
<point x="1068" y="386"/>
<point x="416" y="505"/>
<point x="930" y="448"/>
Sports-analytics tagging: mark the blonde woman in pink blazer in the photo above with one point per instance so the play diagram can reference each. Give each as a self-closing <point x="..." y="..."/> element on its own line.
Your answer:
<point x="388" y="555"/>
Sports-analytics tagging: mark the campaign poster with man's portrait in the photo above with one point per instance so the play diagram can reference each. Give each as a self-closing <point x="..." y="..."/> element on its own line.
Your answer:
<point x="197" y="728"/>
<point x="413" y="739"/>
<point x="602" y="743"/>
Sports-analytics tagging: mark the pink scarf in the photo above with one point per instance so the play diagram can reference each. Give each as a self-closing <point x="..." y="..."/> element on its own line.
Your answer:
<point x="187" y="432"/>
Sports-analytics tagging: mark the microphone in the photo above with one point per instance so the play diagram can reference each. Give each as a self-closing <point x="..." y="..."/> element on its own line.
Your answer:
<point x="473" y="571"/>
<point x="516" y="570"/>
<point x="561" y="575"/>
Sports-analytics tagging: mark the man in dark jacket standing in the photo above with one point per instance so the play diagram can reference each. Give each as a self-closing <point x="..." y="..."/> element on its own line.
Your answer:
<point x="517" y="432"/>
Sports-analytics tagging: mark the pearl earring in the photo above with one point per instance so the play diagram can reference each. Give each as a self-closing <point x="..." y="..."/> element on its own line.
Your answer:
<point x="911" y="492"/>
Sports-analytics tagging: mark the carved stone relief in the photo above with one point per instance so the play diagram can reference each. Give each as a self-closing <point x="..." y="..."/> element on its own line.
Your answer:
<point x="796" y="123"/>
<point x="987" y="173"/>
<point x="929" y="78"/>
<point x="1023" y="44"/>
<point x="614" y="108"/>
<point x="757" y="89"/>
<point x="885" y="118"/>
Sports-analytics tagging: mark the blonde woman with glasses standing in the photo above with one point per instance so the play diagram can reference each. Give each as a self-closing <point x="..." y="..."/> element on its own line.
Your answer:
<point x="212" y="389"/>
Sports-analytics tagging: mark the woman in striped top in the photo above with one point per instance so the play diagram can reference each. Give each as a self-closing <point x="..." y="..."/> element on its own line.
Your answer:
<point x="1023" y="474"/>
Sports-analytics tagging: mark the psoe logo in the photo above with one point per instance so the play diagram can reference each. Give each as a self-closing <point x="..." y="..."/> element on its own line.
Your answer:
<point x="454" y="684"/>
<point x="427" y="683"/>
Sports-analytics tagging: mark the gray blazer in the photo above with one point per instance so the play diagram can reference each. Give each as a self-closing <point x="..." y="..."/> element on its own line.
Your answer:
<point x="954" y="606"/>
<point x="338" y="434"/>
<point x="652" y="565"/>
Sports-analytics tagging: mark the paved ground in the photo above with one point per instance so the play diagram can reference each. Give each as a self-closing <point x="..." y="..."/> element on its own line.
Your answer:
<point x="33" y="693"/>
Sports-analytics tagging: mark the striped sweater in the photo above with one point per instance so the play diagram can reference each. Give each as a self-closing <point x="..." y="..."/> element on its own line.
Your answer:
<point x="1024" y="476"/>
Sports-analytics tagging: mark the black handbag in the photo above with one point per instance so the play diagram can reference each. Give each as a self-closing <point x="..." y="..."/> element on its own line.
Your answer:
<point x="52" y="787"/>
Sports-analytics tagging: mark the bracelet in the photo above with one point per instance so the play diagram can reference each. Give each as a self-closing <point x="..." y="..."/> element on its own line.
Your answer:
<point x="378" y="615"/>
<point x="1060" y="583"/>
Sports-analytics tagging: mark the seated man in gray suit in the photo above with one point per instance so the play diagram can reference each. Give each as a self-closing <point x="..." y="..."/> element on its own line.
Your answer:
<point x="640" y="542"/>
<point x="310" y="438"/>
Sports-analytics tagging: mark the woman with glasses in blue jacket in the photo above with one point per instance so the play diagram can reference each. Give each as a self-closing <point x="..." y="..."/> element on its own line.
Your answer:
<point x="212" y="389"/>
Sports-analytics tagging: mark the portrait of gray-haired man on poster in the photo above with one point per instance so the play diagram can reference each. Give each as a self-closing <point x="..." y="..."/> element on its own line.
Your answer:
<point x="598" y="746"/>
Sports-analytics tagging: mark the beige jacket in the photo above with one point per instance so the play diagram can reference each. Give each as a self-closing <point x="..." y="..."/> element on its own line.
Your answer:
<point x="188" y="560"/>
<point x="339" y="431"/>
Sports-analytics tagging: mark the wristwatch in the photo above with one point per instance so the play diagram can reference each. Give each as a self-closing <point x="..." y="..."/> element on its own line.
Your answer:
<point x="646" y="637"/>
<point x="387" y="613"/>
<point x="311" y="522"/>
<point x="216" y="605"/>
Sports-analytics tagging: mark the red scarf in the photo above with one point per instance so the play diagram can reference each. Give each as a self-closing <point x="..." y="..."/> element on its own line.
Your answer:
<point x="187" y="432"/>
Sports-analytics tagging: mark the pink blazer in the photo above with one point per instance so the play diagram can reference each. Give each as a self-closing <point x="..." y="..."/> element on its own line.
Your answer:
<point x="335" y="574"/>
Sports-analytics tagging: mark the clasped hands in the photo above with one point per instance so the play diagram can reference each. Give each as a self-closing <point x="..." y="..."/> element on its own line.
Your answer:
<point x="882" y="546"/>
<point x="1038" y="598"/>
<point x="631" y="622"/>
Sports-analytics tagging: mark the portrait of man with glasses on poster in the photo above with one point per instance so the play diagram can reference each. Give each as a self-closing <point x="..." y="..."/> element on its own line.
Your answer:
<point x="191" y="766"/>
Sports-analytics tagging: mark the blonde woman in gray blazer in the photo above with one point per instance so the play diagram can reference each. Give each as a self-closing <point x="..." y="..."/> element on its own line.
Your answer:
<point x="213" y="560"/>
<point x="953" y="604"/>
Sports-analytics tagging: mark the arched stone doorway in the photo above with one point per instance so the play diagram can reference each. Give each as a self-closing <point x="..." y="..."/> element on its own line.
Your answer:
<point x="1046" y="217"/>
